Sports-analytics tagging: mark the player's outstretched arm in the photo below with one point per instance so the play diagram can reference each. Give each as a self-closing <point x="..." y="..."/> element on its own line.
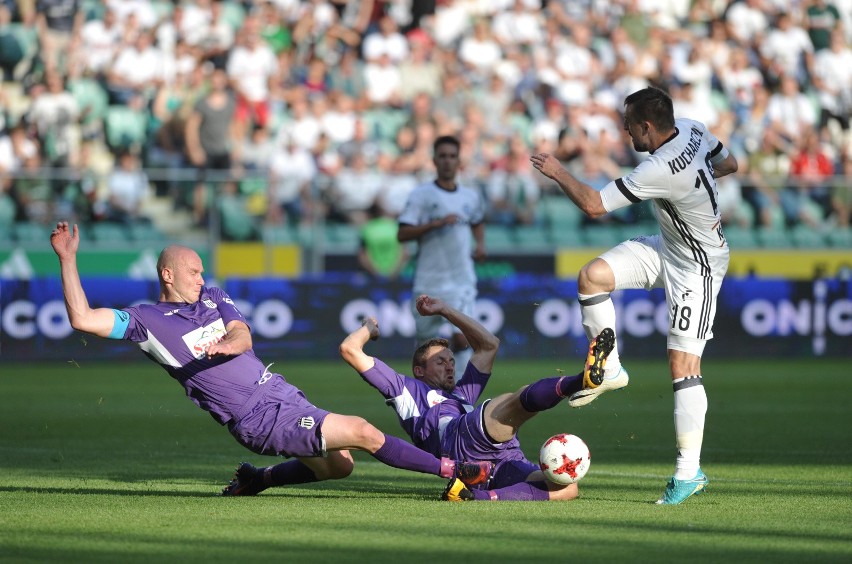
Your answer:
<point x="584" y="196"/>
<point x="65" y="241"/>
<point x="352" y="347"/>
<point x="481" y="340"/>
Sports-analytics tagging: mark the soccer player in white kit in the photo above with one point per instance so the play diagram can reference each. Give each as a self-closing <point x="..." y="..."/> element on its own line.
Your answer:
<point x="447" y="221"/>
<point x="688" y="258"/>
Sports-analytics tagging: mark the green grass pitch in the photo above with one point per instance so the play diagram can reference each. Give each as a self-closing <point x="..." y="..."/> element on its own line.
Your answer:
<point x="107" y="462"/>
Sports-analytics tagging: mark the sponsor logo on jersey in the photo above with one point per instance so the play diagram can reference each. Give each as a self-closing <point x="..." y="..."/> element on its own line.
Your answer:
<point x="209" y="303"/>
<point x="306" y="422"/>
<point x="172" y="312"/>
<point x="199" y="340"/>
<point x="434" y="397"/>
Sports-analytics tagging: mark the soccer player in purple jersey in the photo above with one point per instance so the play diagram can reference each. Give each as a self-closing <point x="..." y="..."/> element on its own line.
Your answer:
<point x="441" y="416"/>
<point x="200" y="338"/>
<point x="688" y="258"/>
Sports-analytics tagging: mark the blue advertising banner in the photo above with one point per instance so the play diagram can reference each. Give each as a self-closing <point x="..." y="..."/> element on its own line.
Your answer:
<point x="534" y="315"/>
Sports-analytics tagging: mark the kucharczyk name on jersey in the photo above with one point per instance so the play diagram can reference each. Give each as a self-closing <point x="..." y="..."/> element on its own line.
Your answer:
<point x="688" y="154"/>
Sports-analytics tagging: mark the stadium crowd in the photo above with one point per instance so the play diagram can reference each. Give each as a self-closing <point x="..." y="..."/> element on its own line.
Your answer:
<point x="294" y="111"/>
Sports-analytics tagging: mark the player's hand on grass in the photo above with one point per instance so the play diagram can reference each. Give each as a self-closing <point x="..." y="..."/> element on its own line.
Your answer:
<point x="427" y="305"/>
<point x="372" y="326"/>
<point x="65" y="240"/>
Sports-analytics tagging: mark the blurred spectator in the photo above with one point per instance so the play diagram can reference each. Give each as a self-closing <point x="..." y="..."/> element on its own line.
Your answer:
<point x="348" y="78"/>
<point x="763" y="174"/>
<point x="512" y="193"/>
<point x="136" y="71"/>
<point x="747" y="21"/>
<point x="300" y="125"/>
<point x="380" y="254"/>
<point x="275" y="29"/>
<point x="58" y="23"/>
<point x="291" y="172"/>
<point x="383" y="82"/>
<point x="832" y="79"/>
<point x="15" y="148"/>
<point x="216" y="37"/>
<point x="806" y="199"/>
<point x="786" y="50"/>
<point x="355" y="190"/>
<point x="520" y="25"/>
<point x="419" y="73"/>
<point x="791" y="114"/>
<point x="99" y="39"/>
<point x="127" y="188"/>
<point x="841" y="191"/>
<point x="821" y="18"/>
<point x="338" y="122"/>
<point x="363" y="141"/>
<point x="480" y="52"/>
<point x="211" y="137"/>
<point x="739" y="81"/>
<point x="386" y="41"/>
<point x="34" y="192"/>
<point x="251" y="67"/>
<point x="54" y="113"/>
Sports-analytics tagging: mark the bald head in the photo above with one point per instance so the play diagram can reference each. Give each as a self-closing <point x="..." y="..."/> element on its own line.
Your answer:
<point x="180" y="270"/>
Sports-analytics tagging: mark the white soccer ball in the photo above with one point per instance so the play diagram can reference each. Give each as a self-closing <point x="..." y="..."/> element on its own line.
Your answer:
<point x="564" y="459"/>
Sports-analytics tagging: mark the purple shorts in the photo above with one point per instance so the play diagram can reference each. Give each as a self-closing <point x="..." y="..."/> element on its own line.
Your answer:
<point x="465" y="439"/>
<point x="282" y="423"/>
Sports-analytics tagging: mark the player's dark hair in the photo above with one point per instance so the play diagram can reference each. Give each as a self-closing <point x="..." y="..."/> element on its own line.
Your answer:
<point x="446" y="140"/>
<point x="420" y="354"/>
<point x="652" y="105"/>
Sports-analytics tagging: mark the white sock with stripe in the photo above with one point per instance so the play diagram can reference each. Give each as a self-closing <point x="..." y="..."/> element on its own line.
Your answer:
<point x="598" y="313"/>
<point x="690" y="407"/>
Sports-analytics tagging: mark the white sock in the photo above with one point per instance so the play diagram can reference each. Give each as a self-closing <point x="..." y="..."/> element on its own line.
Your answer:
<point x="462" y="357"/>
<point x="598" y="313"/>
<point x="690" y="407"/>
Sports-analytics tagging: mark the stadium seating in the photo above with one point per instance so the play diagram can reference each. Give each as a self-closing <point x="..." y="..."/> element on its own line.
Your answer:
<point x="532" y="237"/>
<point x="740" y="237"/>
<point x="109" y="234"/>
<point x="773" y="238"/>
<point x="807" y="237"/>
<point x="142" y="232"/>
<point x="27" y="232"/>
<point x="92" y="99"/>
<point x="125" y="127"/>
<point x="499" y="238"/>
<point x="277" y="234"/>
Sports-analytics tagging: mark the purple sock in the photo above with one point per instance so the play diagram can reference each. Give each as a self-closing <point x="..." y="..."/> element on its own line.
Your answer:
<point x="401" y="454"/>
<point x="548" y="392"/>
<point x="288" y="473"/>
<point x="522" y="491"/>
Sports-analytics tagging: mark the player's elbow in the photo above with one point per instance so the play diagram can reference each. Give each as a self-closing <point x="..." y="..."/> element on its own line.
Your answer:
<point x="349" y="351"/>
<point x="490" y="344"/>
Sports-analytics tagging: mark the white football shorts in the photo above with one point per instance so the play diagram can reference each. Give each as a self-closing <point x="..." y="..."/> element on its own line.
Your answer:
<point x="691" y="297"/>
<point x="428" y="327"/>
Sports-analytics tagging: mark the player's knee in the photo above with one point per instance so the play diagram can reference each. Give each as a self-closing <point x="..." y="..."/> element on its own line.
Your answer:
<point x="596" y="277"/>
<point x="367" y="436"/>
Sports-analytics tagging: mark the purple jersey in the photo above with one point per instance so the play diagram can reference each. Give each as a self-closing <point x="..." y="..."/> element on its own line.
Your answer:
<point x="443" y="423"/>
<point x="177" y="335"/>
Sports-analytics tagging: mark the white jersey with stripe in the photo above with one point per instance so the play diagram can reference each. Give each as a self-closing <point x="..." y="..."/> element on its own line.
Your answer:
<point x="444" y="255"/>
<point x="678" y="177"/>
